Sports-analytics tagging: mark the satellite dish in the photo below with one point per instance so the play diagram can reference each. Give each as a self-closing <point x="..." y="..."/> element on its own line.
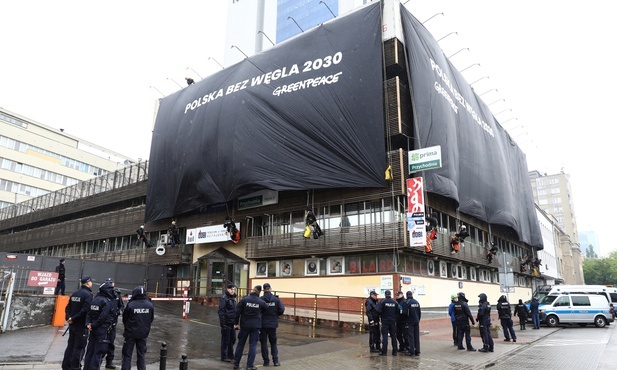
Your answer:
<point x="160" y="250"/>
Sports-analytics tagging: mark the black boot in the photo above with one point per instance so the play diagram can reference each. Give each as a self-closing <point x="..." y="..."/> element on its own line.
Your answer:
<point x="109" y="364"/>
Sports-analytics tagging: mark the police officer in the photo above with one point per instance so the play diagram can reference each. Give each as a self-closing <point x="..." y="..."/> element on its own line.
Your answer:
<point x="484" y="320"/>
<point x="76" y="312"/>
<point x="60" y="285"/>
<point x="388" y="311"/>
<point x="227" y="315"/>
<point x="413" y="325"/>
<point x="401" y="326"/>
<point x="463" y="316"/>
<point x="370" y="307"/>
<point x="248" y="316"/>
<point x="99" y="321"/>
<point x="269" y="323"/>
<point x="453" y="299"/>
<point x="505" y="316"/>
<point x="109" y="359"/>
<point x="137" y="319"/>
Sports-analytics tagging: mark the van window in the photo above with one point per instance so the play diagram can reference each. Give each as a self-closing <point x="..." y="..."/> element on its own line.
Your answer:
<point x="580" y="301"/>
<point x="613" y="297"/>
<point x="548" y="299"/>
<point x="562" y="301"/>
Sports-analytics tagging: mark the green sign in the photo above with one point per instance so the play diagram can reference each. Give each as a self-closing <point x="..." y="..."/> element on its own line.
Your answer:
<point x="425" y="159"/>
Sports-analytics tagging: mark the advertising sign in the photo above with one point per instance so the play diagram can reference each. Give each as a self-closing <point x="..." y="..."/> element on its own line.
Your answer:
<point x="208" y="234"/>
<point x="425" y="159"/>
<point x="415" y="212"/>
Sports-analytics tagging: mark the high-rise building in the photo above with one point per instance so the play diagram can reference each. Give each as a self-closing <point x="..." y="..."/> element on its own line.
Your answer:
<point x="588" y="238"/>
<point x="553" y="195"/>
<point x="36" y="159"/>
<point x="254" y="26"/>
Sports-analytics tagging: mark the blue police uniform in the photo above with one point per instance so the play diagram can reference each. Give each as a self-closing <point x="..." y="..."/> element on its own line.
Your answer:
<point x="463" y="316"/>
<point x="137" y="319"/>
<point x="401" y="323"/>
<point x="370" y="307"/>
<point x="248" y="316"/>
<point x="112" y="334"/>
<point x="269" y="323"/>
<point x="227" y="315"/>
<point x="388" y="310"/>
<point x="413" y="325"/>
<point x="505" y="315"/>
<point x="100" y="320"/>
<point x="484" y="320"/>
<point x="76" y="311"/>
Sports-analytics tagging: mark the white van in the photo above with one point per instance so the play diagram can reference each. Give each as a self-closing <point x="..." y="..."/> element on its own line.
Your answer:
<point x="579" y="309"/>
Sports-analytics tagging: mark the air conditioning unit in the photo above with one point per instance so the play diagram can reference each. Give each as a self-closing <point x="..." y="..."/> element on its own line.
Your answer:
<point x="164" y="239"/>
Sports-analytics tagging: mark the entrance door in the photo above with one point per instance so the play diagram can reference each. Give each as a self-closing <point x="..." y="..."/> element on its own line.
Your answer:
<point x="217" y="283"/>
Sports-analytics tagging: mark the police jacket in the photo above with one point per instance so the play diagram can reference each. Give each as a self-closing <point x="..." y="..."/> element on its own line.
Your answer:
<point x="388" y="310"/>
<point x="249" y="311"/>
<point x="484" y="313"/>
<point x="138" y="315"/>
<point x="403" y="310"/>
<point x="370" y="307"/>
<point x="462" y="312"/>
<point x="78" y="306"/>
<point x="533" y="307"/>
<point x="504" y="310"/>
<point x="413" y="313"/>
<point x="119" y="304"/>
<point x="521" y="311"/>
<point x="270" y="317"/>
<point x="102" y="309"/>
<point x="227" y="310"/>
<point x="61" y="270"/>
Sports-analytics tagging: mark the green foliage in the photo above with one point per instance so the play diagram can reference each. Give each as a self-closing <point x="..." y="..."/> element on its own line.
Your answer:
<point x="590" y="253"/>
<point x="601" y="271"/>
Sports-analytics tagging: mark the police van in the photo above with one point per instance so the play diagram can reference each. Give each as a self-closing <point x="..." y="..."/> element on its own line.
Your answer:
<point x="576" y="308"/>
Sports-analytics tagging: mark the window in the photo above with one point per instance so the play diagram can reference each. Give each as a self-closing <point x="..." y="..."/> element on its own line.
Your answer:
<point x="580" y="301"/>
<point x="352" y="265"/>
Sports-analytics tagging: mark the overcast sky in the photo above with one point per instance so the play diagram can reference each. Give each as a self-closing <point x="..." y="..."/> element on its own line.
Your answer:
<point x="96" y="69"/>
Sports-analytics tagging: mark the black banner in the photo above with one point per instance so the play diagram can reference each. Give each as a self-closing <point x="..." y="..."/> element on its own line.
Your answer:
<point x="483" y="168"/>
<point x="306" y="114"/>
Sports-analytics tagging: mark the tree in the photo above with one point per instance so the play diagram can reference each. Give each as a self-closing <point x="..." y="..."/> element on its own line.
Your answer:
<point x="601" y="271"/>
<point x="590" y="253"/>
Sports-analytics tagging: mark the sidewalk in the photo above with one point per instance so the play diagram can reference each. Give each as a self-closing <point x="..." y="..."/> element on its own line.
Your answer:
<point x="43" y="347"/>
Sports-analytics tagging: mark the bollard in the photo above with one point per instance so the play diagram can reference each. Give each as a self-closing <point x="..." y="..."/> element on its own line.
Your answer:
<point x="184" y="363"/>
<point x="361" y="317"/>
<point x="163" y="359"/>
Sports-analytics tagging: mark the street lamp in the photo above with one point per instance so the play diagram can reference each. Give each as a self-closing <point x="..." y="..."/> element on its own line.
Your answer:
<point x="457" y="52"/>
<point x="466" y="68"/>
<point x="479" y="79"/>
<point x="451" y="33"/>
<point x="220" y="65"/>
<point x="263" y="33"/>
<point x="433" y="16"/>
<point x="296" y="23"/>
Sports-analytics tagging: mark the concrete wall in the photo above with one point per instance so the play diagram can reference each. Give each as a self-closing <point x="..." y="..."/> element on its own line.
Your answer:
<point x="29" y="311"/>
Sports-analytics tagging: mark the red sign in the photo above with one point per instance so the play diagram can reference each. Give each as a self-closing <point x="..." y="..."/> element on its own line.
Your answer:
<point x="42" y="278"/>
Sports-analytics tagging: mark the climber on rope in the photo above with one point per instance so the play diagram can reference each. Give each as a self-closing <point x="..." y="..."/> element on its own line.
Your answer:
<point x="232" y="230"/>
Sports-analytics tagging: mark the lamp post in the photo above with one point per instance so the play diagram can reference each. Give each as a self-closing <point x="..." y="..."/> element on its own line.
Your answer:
<point x="488" y="91"/>
<point x="175" y="82"/>
<point x="216" y="61"/>
<point x="187" y="68"/>
<point x="466" y="68"/>
<point x="159" y="91"/>
<point x="263" y="33"/>
<point x="322" y="2"/>
<point x="451" y="33"/>
<point x="296" y="23"/>
<point x="433" y="16"/>
<point x="478" y="80"/>
<point x="457" y="52"/>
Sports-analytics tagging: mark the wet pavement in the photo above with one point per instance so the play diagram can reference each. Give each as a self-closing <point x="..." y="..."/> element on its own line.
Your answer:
<point x="300" y="346"/>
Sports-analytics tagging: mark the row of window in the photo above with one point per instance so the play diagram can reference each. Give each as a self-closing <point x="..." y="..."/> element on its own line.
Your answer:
<point x="13" y="120"/>
<point x="28" y="170"/>
<point x="65" y="161"/>
<point x="377" y="263"/>
<point x="15" y="187"/>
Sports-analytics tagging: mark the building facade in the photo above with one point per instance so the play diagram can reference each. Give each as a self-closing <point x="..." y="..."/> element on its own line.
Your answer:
<point x="37" y="159"/>
<point x="365" y="242"/>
